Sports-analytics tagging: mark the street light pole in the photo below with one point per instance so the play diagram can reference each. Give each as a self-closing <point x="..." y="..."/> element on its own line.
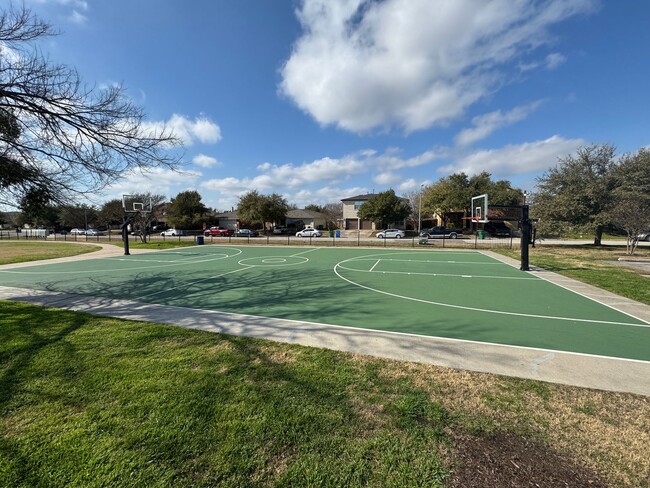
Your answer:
<point x="420" y="210"/>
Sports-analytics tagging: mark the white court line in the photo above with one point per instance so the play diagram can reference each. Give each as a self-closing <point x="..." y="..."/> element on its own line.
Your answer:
<point x="435" y="261"/>
<point x="475" y="309"/>
<point x="304" y="252"/>
<point x="548" y="280"/>
<point x="419" y="273"/>
<point x="113" y="270"/>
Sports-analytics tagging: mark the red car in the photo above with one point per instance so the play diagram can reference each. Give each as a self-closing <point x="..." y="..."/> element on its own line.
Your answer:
<point x="218" y="231"/>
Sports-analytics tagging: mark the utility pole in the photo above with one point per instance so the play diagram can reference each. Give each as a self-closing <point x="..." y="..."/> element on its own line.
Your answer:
<point x="420" y="209"/>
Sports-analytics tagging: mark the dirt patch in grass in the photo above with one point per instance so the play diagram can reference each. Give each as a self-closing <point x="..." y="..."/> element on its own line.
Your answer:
<point x="509" y="460"/>
<point x="597" y="435"/>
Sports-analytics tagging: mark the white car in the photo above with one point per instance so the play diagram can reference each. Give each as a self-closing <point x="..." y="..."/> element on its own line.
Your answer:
<point x="172" y="232"/>
<point x="80" y="232"/>
<point x="308" y="233"/>
<point x="94" y="232"/>
<point x="391" y="233"/>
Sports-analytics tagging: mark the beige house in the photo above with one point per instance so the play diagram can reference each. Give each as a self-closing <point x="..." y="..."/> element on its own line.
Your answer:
<point x="351" y="220"/>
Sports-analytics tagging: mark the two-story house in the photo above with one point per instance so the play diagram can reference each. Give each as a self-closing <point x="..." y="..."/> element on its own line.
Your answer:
<point x="351" y="220"/>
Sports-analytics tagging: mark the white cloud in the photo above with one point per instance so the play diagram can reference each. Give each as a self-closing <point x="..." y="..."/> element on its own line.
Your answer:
<point x="387" y="178"/>
<point x="324" y="195"/>
<point x="486" y="124"/>
<point x="78" y="18"/>
<point x="157" y="180"/>
<point x="201" y="129"/>
<point x="362" y="64"/>
<point x="513" y="160"/>
<point x="554" y="60"/>
<point x="205" y="161"/>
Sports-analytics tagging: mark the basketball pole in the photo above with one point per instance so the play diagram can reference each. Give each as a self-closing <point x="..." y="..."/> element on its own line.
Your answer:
<point x="525" y="238"/>
<point x="125" y="231"/>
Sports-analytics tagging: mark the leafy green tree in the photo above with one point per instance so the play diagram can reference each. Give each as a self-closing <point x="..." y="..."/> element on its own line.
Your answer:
<point x="82" y="216"/>
<point x="454" y="194"/>
<point x="577" y="193"/>
<point x="186" y="211"/>
<point x="254" y="207"/>
<point x="58" y="136"/>
<point x="385" y="209"/>
<point x="111" y="213"/>
<point x="37" y="210"/>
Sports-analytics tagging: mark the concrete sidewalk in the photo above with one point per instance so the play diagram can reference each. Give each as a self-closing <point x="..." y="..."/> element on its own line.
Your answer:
<point x="554" y="366"/>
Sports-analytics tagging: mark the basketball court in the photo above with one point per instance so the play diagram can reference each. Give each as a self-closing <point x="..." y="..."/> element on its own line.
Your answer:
<point x="462" y="295"/>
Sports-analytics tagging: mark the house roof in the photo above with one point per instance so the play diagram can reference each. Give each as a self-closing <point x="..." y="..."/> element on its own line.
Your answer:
<point x="357" y="198"/>
<point x="300" y="213"/>
<point x="227" y="215"/>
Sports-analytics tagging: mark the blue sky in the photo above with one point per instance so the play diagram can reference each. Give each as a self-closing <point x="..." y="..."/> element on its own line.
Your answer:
<point x="320" y="100"/>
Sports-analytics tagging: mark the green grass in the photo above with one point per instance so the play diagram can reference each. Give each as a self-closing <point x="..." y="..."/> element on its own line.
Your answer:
<point x="90" y="401"/>
<point x="136" y="243"/>
<point x="19" y="252"/>
<point x="87" y="401"/>
<point x="592" y="265"/>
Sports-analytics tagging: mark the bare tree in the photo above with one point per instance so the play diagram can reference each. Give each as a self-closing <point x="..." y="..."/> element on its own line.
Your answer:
<point x="59" y="136"/>
<point x="143" y="222"/>
<point x="632" y="214"/>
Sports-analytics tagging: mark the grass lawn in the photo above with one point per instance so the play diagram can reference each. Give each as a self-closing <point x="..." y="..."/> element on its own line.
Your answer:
<point x="593" y="265"/>
<point x="90" y="401"/>
<point x="18" y="252"/>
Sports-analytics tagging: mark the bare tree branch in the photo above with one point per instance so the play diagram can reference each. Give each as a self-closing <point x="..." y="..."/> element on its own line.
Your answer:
<point x="59" y="134"/>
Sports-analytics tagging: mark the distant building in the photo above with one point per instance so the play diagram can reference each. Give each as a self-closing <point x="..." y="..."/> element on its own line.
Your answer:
<point x="351" y="220"/>
<point x="294" y="218"/>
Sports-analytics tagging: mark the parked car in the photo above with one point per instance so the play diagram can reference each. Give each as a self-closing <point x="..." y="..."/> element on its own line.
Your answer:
<point x="440" y="231"/>
<point x="217" y="231"/>
<point x="246" y="233"/>
<point x="498" y="229"/>
<point x="645" y="236"/>
<point x="93" y="232"/>
<point x="308" y="232"/>
<point x="391" y="233"/>
<point x="173" y="232"/>
<point x="282" y="230"/>
<point x="80" y="232"/>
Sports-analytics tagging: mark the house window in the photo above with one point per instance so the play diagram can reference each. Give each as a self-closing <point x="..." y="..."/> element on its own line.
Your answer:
<point x="357" y="205"/>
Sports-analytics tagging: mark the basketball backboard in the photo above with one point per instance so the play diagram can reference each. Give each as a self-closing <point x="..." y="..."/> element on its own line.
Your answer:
<point x="480" y="208"/>
<point x="136" y="204"/>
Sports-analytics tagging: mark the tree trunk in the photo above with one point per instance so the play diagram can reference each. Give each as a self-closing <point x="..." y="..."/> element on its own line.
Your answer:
<point x="599" y="236"/>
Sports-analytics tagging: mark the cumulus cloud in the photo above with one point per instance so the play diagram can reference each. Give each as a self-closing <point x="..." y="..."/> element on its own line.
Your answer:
<point x="201" y="129"/>
<point x="325" y="171"/>
<point x="205" y="161"/>
<point x="486" y="124"/>
<point x="515" y="159"/>
<point x="362" y="64"/>
<point x="157" y="180"/>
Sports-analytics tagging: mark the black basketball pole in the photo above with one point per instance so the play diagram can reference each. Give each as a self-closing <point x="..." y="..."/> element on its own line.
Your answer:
<point x="125" y="237"/>
<point x="125" y="232"/>
<point x="525" y="238"/>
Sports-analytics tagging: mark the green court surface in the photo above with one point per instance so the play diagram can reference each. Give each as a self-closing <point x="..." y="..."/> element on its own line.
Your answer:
<point x="450" y="294"/>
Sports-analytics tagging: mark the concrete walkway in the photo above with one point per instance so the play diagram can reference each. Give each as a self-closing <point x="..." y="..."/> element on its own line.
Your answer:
<point x="553" y="366"/>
